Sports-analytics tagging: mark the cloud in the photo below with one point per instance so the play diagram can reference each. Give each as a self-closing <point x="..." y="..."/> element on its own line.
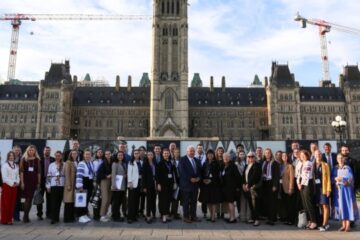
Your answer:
<point x="234" y="38"/>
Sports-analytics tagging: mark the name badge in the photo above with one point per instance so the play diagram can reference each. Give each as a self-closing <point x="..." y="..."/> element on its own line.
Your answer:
<point x="281" y="181"/>
<point x="210" y="175"/>
<point x="31" y="169"/>
<point x="169" y="175"/>
<point x="317" y="181"/>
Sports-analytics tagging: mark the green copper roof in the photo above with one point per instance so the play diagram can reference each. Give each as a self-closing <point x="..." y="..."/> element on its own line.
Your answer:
<point x="196" y="81"/>
<point x="145" y="80"/>
<point x="257" y="81"/>
<point x="87" y="77"/>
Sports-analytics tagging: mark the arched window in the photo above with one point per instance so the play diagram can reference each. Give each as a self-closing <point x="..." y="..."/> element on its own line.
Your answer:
<point x="177" y="7"/>
<point x="165" y="31"/>
<point x="168" y="7"/>
<point x="175" y="31"/>
<point x="33" y="133"/>
<point x="169" y="101"/>
<point x="172" y="7"/>
<point x="53" y="133"/>
<point x="22" y="132"/>
<point x="163" y="7"/>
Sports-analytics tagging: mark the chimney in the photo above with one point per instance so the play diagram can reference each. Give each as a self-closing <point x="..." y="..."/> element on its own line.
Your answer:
<point x="341" y="80"/>
<point x="117" y="84"/>
<point x="211" y="84"/>
<point x="75" y="80"/>
<point x="129" y="83"/>
<point x="266" y="82"/>
<point x="223" y="84"/>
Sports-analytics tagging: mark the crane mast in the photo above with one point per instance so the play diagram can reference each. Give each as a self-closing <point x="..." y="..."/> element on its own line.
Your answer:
<point x="16" y="20"/>
<point x="324" y="28"/>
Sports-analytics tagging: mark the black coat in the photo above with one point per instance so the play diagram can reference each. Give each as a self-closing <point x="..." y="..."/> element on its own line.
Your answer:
<point x="148" y="179"/>
<point x="211" y="193"/>
<point x="333" y="157"/>
<point x="254" y="176"/>
<point x="103" y="171"/>
<point x="275" y="171"/>
<point x="162" y="175"/>
<point x="355" y="167"/>
<point x="231" y="182"/>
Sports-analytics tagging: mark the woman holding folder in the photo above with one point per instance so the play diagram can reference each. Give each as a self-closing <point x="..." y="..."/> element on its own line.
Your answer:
<point x="118" y="185"/>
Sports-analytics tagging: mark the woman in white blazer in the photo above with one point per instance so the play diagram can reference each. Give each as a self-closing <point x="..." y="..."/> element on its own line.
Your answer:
<point x="133" y="173"/>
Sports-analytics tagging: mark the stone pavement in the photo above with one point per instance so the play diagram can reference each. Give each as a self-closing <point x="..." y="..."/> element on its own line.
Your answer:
<point x="175" y="230"/>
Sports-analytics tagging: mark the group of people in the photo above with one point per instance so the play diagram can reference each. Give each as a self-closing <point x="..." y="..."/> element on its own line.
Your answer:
<point x="260" y="185"/>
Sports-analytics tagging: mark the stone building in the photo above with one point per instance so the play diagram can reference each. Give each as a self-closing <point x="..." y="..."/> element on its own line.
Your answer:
<point x="164" y="106"/>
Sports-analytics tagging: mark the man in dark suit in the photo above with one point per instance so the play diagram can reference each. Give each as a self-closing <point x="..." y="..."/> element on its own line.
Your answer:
<point x="295" y="147"/>
<point x="190" y="174"/>
<point x="329" y="156"/>
<point x="45" y="161"/>
<point x="75" y="146"/>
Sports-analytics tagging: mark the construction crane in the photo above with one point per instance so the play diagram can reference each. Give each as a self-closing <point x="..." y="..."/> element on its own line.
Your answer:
<point x="16" y="20"/>
<point x="324" y="28"/>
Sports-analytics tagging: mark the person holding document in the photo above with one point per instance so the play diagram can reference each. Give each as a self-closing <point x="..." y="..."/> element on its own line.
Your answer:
<point x="84" y="183"/>
<point x="118" y="185"/>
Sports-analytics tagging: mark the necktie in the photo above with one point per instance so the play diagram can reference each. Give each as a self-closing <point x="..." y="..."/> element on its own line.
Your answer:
<point x="329" y="160"/>
<point x="193" y="164"/>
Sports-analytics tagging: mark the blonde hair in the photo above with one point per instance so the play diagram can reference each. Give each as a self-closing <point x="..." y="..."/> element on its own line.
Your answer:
<point x="26" y="154"/>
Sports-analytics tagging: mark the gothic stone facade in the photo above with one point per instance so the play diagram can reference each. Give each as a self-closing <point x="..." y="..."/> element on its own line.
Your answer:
<point x="60" y="108"/>
<point x="57" y="108"/>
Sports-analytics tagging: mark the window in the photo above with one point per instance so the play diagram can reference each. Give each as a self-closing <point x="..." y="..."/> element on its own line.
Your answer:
<point x="163" y="7"/>
<point x="169" y="101"/>
<point x="165" y="31"/>
<point x="177" y="7"/>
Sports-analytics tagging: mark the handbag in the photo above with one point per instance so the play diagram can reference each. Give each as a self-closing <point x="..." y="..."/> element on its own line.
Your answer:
<point x="38" y="197"/>
<point x="95" y="197"/>
<point x="302" y="219"/>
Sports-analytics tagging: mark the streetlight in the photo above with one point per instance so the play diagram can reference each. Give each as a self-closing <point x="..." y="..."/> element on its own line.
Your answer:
<point x="339" y="126"/>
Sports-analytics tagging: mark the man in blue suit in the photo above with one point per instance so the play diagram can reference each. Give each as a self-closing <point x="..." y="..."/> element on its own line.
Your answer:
<point x="329" y="156"/>
<point x="190" y="176"/>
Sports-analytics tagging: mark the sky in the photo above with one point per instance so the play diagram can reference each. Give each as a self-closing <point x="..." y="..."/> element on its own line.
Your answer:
<point x="232" y="38"/>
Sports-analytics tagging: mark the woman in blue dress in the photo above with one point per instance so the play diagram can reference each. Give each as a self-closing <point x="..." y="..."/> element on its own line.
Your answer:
<point x="345" y="201"/>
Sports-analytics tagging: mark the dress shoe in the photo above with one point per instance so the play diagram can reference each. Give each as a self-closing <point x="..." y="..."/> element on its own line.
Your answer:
<point x="187" y="220"/>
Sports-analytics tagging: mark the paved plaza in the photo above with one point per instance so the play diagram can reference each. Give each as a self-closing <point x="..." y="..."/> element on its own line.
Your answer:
<point x="175" y="230"/>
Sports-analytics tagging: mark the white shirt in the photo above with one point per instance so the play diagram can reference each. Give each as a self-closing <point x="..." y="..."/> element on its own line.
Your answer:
<point x="10" y="173"/>
<point x="133" y="174"/>
<point x="202" y="157"/>
<point x="55" y="176"/>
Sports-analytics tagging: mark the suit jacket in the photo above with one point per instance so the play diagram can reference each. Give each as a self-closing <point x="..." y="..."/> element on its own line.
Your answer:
<point x="288" y="178"/>
<point x="43" y="176"/>
<point x="275" y="172"/>
<point x="254" y="176"/>
<point x="231" y="178"/>
<point x="148" y="178"/>
<point x="162" y="175"/>
<point x="355" y="167"/>
<point x="325" y="178"/>
<point x="187" y="172"/>
<point x="333" y="157"/>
